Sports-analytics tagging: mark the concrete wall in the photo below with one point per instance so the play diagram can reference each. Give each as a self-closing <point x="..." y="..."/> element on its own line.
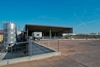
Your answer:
<point x="29" y="58"/>
<point x="1" y="37"/>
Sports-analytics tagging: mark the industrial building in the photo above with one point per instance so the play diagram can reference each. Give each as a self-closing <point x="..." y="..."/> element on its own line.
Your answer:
<point x="47" y="31"/>
<point x="16" y="44"/>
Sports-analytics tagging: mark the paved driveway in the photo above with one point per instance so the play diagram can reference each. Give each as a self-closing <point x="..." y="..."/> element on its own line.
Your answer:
<point x="76" y="53"/>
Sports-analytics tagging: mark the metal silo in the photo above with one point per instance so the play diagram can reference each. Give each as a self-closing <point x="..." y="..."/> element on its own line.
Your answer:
<point x="9" y="34"/>
<point x="18" y="36"/>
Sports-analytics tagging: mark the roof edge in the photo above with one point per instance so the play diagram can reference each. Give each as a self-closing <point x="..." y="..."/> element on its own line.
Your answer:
<point x="46" y="25"/>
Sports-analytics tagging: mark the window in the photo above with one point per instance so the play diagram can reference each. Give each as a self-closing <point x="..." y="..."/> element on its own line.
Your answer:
<point x="37" y="35"/>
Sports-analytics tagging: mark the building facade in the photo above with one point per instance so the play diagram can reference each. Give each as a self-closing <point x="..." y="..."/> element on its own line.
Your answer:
<point x="1" y="35"/>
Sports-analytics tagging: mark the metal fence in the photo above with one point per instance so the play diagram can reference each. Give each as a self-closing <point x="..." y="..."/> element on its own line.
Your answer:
<point x="32" y="50"/>
<point x="50" y="43"/>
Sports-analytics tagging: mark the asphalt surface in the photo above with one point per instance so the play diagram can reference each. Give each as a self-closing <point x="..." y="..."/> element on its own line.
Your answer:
<point x="75" y="53"/>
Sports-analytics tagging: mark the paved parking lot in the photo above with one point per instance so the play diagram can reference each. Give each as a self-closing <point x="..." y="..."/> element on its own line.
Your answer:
<point x="75" y="53"/>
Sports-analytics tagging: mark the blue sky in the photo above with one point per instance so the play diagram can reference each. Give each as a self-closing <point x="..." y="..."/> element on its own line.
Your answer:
<point x="82" y="15"/>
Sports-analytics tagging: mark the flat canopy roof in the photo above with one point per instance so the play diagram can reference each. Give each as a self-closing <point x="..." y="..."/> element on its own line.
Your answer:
<point x="44" y="28"/>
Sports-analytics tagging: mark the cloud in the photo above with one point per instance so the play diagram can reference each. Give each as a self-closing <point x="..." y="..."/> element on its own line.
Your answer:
<point x="93" y="22"/>
<point x="89" y="22"/>
<point x="81" y="23"/>
<point x="84" y="13"/>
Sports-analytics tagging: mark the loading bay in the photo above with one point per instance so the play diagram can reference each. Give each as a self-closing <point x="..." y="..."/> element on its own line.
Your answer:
<point x="74" y="53"/>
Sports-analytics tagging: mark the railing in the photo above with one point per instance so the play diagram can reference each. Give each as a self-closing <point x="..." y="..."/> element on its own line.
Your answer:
<point x="28" y="51"/>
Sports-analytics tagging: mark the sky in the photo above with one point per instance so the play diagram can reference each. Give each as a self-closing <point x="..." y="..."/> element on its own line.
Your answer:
<point x="82" y="15"/>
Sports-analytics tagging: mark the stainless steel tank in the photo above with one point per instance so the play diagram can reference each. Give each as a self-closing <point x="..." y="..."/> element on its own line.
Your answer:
<point x="18" y="36"/>
<point x="9" y="34"/>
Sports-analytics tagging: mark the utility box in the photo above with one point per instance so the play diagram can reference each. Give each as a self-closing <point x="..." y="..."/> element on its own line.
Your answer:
<point x="36" y="35"/>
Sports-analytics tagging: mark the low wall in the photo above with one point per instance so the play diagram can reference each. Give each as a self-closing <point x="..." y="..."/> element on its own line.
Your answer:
<point x="29" y="58"/>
